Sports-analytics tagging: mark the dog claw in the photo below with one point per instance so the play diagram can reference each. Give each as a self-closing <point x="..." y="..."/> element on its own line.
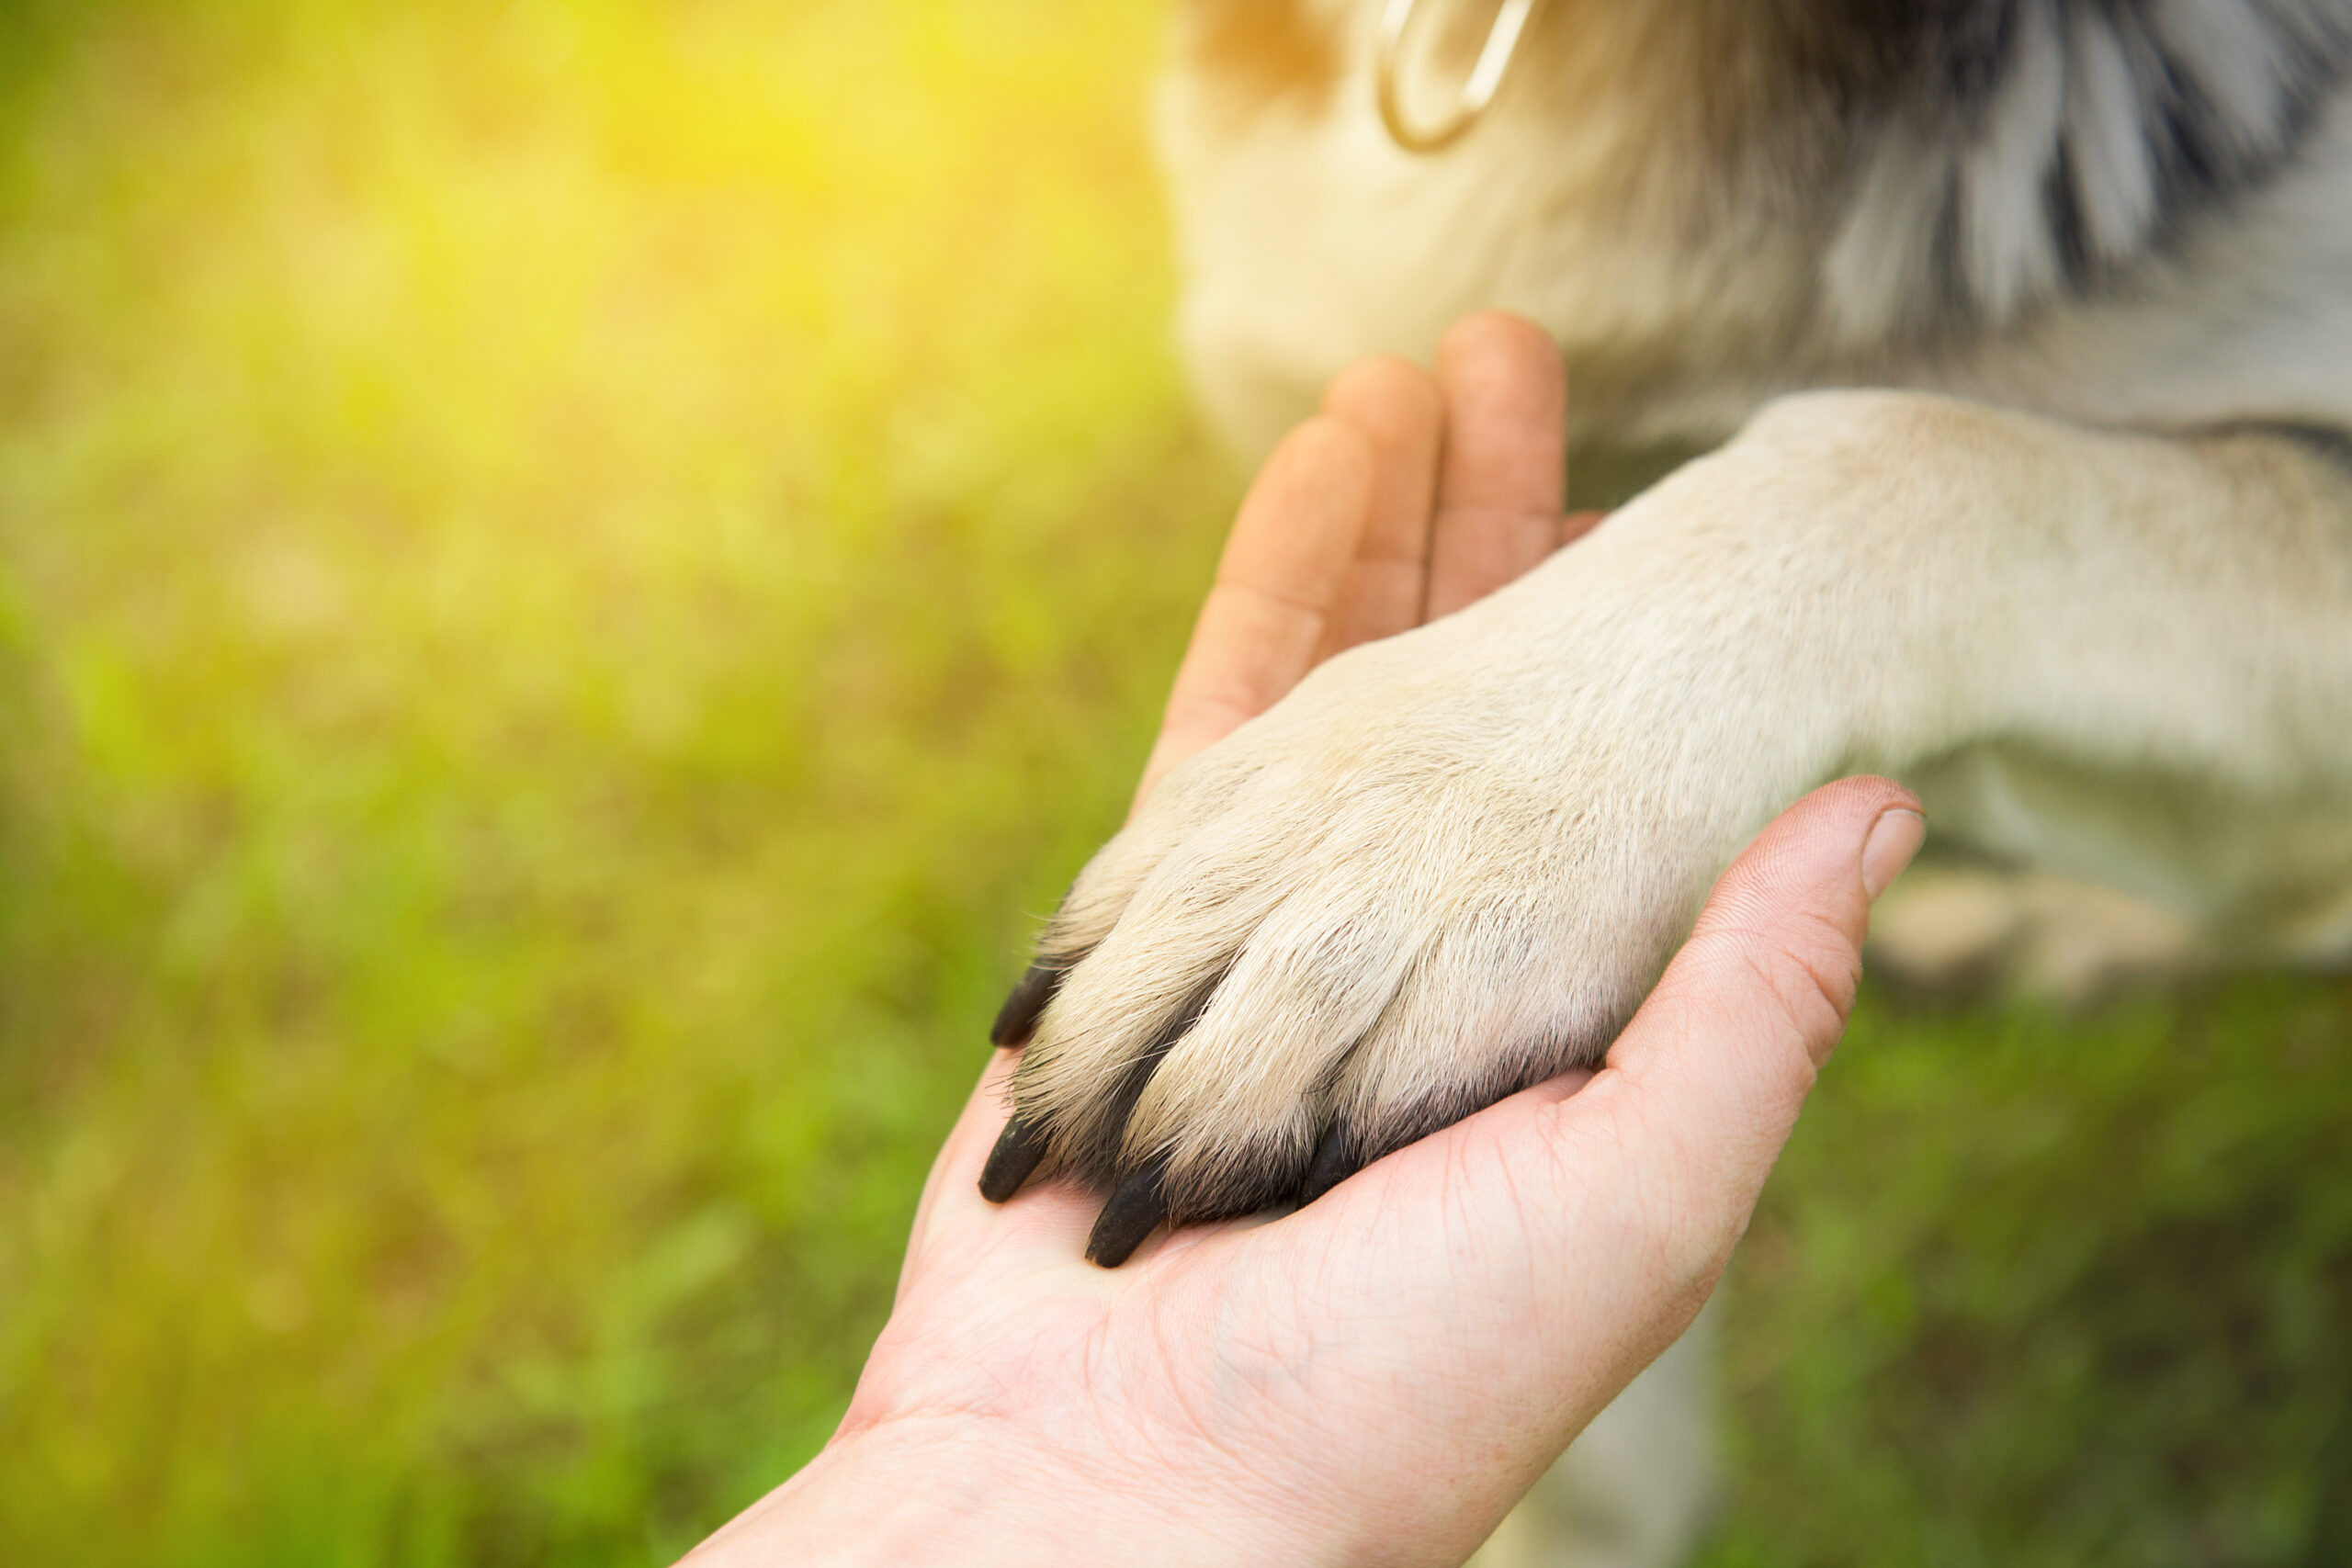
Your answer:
<point x="1134" y="1212"/>
<point x="1017" y="1020"/>
<point x="1334" y="1162"/>
<point x="1018" y="1150"/>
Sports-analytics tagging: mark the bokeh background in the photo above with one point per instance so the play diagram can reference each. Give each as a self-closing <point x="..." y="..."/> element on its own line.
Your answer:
<point x="574" y="577"/>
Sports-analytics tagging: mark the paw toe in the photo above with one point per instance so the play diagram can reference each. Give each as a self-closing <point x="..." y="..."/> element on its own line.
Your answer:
<point x="1017" y="1020"/>
<point x="1019" y="1149"/>
<point x="1136" y="1208"/>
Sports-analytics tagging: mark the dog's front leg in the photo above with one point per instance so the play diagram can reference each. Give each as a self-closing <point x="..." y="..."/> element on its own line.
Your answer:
<point x="1449" y="862"/>
<point x="2130" y="655"/>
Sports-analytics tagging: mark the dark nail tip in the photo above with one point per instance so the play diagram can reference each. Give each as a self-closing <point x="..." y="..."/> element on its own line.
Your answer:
<point x="1134" y="1212"/>
<point x="1018" y="1149"/>
<point x="1334" y="1162"/>
<point x="1017" y="1020"/>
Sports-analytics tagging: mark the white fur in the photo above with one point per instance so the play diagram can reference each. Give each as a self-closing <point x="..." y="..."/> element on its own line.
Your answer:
<point x="2124" y="656"/>
<point x="2104" y="138"/>
<point x="1489" y="832"/>
<point x="1311" y="241"/>
<point x="2010" y="253"/>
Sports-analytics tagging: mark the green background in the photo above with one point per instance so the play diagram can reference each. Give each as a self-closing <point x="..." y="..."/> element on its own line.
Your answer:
<point x="574" y="577"/>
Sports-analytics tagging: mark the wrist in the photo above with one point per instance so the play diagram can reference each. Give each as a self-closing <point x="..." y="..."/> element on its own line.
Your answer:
<point x="967" y="1490"/>
<point x="915" y="1491"/>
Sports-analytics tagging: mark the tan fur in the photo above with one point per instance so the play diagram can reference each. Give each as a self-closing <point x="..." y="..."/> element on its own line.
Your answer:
<point x="1482" y="837"/>
<point x="2026" y="572"/>
<point x="1684" y="293"/>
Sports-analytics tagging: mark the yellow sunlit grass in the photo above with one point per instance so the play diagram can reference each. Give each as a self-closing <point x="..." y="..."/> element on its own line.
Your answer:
<point x="575" y="574"/>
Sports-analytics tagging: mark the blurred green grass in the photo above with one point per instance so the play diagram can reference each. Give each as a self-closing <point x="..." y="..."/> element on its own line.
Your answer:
<point x="573" y="576"/>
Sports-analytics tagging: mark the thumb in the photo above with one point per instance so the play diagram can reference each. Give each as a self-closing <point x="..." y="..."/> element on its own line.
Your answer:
<point x="1709" y="1075"/>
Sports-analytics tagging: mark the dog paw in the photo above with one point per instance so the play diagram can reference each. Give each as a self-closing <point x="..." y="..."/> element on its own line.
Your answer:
<point x="1418" y="884"/>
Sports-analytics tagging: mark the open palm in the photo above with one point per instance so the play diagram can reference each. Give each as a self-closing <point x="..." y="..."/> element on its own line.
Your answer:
<point x="1376" y="1376"/>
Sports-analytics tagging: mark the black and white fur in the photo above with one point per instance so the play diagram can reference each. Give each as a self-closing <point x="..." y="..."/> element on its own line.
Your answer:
<point x="2118" y="210"/>
<point x="2022" y="333"/>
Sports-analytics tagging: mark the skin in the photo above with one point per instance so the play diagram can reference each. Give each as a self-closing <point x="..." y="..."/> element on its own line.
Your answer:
<point x="1406" y="497"/>
<point x="1378" y="1377"/>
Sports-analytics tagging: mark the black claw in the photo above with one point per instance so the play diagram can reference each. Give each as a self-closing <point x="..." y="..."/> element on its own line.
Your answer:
<point x="1018" y="1149"/>
<point x="1334" y="1162"/>
<point x="1017" y="1020"/>
<point x="1120" y="1103"/>
<point x="1134" y="1212"/>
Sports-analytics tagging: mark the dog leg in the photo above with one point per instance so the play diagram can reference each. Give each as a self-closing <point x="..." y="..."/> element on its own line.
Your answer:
<point x="1449" y="862"/>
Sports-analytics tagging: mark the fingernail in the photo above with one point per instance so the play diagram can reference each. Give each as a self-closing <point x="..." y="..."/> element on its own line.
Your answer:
<point x="1895" y="838"/>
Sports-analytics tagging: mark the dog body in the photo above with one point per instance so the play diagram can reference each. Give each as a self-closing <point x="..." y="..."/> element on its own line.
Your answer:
<point x="2111" y="213"/>
<point x="2025" y="329"/>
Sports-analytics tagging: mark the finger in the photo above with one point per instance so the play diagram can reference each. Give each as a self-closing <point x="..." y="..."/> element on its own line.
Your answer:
<point x="1571" y="1236"/>
<point x="1277" y="586"/>
<point x="1778" y="944"/>
<point x="1702" y="1089"/>
<point x="1619" y="1195"/>
<point x="1397" y="407"/>
<point x="1503" y="478"/>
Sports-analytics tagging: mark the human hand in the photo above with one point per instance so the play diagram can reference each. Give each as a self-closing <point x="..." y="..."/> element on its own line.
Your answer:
<point x="1377" y="1376"/>
<point x="1409" y="496"/>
